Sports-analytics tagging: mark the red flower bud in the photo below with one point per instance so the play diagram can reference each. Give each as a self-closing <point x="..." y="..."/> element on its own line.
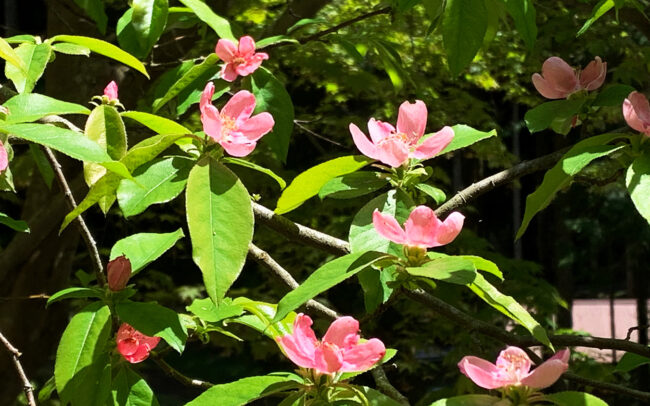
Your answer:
<point x="119" y="272"/>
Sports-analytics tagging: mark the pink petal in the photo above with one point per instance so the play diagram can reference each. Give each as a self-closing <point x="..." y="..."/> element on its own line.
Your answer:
<point x="388" y="227"/>
<point x="393" y="152"/>
<point x="379" y="130"/>
<point x="139" y="355"/>
<point x="546" y="374"/>
<point x="239" y="147"/>
<point x="421" y="227"/>
<point x="563" y="355"/>
<point x="246" y="46"/>
<point x="546" y="89"/>
<point x="127" y="346"/>
<point x="483" y="373"/>
<point x="362" y="142"/>
<point x="328" y="359"/>
<point x="636" y="111"/>
<point x="363" y="356"/>
<point x="434" y="144"/>
<point x="412" y="119"/>
<point x="294" y="353"/>
<point x="211" y="120"/>
<point x="206" y="96"/>
<point x="339" y="331"/>
<point x="249" y="66"/>
<point x="449" y="229"/>
<point x="240" y="106"/>
<point x="226" y="50"/>
<point x="300" y="346"/>
<point x="110" y="90"/>
<point x="515" y="359"/>
<point x="149" y="342"/>
<point x="593" y="75"/>
<point x="4" y="158"/>
<point x="229" y="72"/>
<point x="560" y="75"/>
<point x="124" y="332"/>
<point x="257" y="126"/>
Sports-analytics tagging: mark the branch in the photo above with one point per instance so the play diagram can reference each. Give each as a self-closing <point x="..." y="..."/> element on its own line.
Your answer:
<point x="607" y="387"/>
<point x="385" y="387"/>
<point x="173" y="373"/>
<point x="15" y="354"/>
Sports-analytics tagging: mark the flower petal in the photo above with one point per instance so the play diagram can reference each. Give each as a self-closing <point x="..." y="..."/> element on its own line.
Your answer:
<point x="4" y="158"/>
<point x="110" y="90"/>
<point x="362" y="142"/>
<point x="238" y="147"/>
<point x="211" y="120"/>
<point x="434" y="144"/>
<point x="593" y="75"/>
<point x="546" y="374"/>
<point x="388" y="227"/>
<point x="229" y="72"/>
<point x="226" y="50"/>
<point x="560" y="75"/>
<point x="250" y="66"/>
<point x="246" y="46"/>
<point x="449" y="229"/>
<point x="640" y="110"/>
<point x="421" y="227"/>
<point x="300" y="346"/>
<point x="412" y="119"/>
<point x="328" y="359"/>
<point x="127" y="346"/>
<point x="546" y="89"/>
<point x="393" y="152"/>
<point x="483" y="373"/>
<point x="379" y="130"/>
<point x="240" y="106"/>
<point x="257" y="126"/>
<point x="139" y="355"/>
<point x="339" y="331"/>
<point x="363" y="355"/>
<point x="206" y="96"/>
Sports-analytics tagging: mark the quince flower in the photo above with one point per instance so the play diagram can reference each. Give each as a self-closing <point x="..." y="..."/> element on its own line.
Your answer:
<point x="240" y="59"/>
<point x="339" y="351"/>
<point x="110" y="91"/>
<point x="422" y="228"/>
<point x="234" y="128"/>
<point x="636" y="111"/>
<point x="395" y="146"/>
<point x="133" y="345"/>
<point x="559" y="80"/>
<point x="513" y="369"/>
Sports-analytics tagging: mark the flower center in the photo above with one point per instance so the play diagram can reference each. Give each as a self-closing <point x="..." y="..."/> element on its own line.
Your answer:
<point x="515" y="366"/>
<point x="238" y="60"/>
<point x="228" y="125"/>
<point x="399" y="137"/>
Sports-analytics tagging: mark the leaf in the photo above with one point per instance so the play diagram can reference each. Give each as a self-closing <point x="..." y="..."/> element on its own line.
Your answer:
<point x="352" y="185"/>
<point x="95" y="10"/>
<point x="9" y="54"/>
<point x="509" y="307"/>
<point x="448" y="269"/>
<point x="542" y="117"/>
<point x="523" y="13"/>
<point x="42" y="164"/>
<point x="483" y="264"/>
<point x="17" y="225"/>
<point x="598" y="11"/>
<point x="637" y="181"/>
<point x="158" y="181"/>
<point x="105" y="127"/>
<point x="464" y="24"/>
<point x="206" y="310"/>
<point x="19" y="39"/>
<point x="261" y="318"/>
<point x="630" y="361"/>
<point x="154" y="320"/>
<point x="141" y="26"/>
<point x="158" y="124"/>
<point x="251" y="165"/>
<point x="188" y="78"/>
<point x="468" y="400"/>
<point x="325" y="277"/>
<point x="73" y="293"/>
<point x="571" y="398"/>
<point x="375" y="286"/>
<point x="245" y="390"/>
<point x="613" y="95"/>
<point x="71" y="49"/>
<point x="81" y="353"/>
<point x="27" y="107"/>
<point x="464" y="136"/>
<point x="436" y="194"/>
<point x="276" y="39"/>
<point x="220" y="219"/>
<point x="560" y="175"/>
<point x="271" y="96"/>
<point x="129" y="389"/>
<point x="35" y="58"/>
<point x="376" y="398"/>
<point x="308" y="183"/>
<point x="144" y="248"/>
<point x="219" y="24"/>
<point x="103" y="48"/>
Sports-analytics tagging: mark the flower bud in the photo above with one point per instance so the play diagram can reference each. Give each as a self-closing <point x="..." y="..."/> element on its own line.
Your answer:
<point x="110" y="91"/>
<point x="119" y="272"/>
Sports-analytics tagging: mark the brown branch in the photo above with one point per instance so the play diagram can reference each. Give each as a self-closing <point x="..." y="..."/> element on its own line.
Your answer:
<point x="385" y="387"/>
<point x="15" y="355"/>
<point x="607" y="387"/>
<point x="173" y="373"/>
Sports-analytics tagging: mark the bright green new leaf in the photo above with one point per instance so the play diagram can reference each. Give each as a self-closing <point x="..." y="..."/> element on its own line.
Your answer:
<point x="325" y="277"/>
<point x="261" y="318"/>
<point x="219" y="24"/>
<point x="26" y="107"/>
<point x="19" y="39"/>
<point x="484" y="265"/>
<point x="206" y="310"/>
<point x="448" y="269"/>
<point x="578" y="157"/>
<point x="141" y="26"/>
<point x="637" y="181"/>
<point x="144" y="248"/>
<point x="598" y="11"/>
<point x="276" y="39"/>
<point x="154" y="320"/>
<point x="95" y="10"/>
<point x="464" y="24"/>
<point x="9" y="54"/>
<point x="469" y="400"/>
<point x="105" y="127"/>
<point x="17" y="225"/>
<point x="464" y="136"/>
<point x="160" y="125"/>
<point x="130" y="389"/>
<point x="254" y="166"/>
<point x="220" y="219"/>
<point x="352" y="185"/>
<point x="74" y="293"/>
<point x="523" y="13"/>
<point x="542" y="117"/>
<point x="35" y="58"/>
<point x="71" y="49"/>
<point x="246" y="390"/>
<point x="571" y="398"/>
<point x="438" y="195"/>
<point x="309" y="183"/>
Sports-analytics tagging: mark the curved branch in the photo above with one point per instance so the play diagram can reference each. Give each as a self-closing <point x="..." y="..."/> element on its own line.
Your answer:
<point x="15" y="354"/>
<point x="170" y="371"/>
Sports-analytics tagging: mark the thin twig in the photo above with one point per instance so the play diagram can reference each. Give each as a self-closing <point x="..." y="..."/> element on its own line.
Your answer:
<point x="15" y="355"/>
<point x="630" y="330"/>
<point x="385" y="387"/>
<point x="315" y="134"/>
<point x="170" y="371"/>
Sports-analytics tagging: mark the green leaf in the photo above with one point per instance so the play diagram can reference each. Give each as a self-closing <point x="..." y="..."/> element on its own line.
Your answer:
<point x="158" y="181"/>
<point x="542" y="117"/>
<point x="272" y="97"/>
<point x="598" y="11"/>
<point x="464" y="24"/>
<point x="154" y="320"/>
<point x="571" y="398"/>
<point x="105" y="127"/>
<point x="308" y="183"/>
<point x="103" y="48"/>
<point x="206" y="310"/>
<point x="192" y="93"/>
<point x="637" y="181"/>
<point x="613" y="95"/>
<point x="144" y="248"/>
<point x="630" y="361"/>
<point x="375" y="286"/>
<point x="188" y="78"/>
<point x="523" y="13"/>
<point x="42" y="164"/>
<point x="45" y="392"/>
<point x="9" y="54"/>
<point x="376" y="398"/>
<point x="160" y="125"/>
<point x="251" y="165"/>
<point x="483" y="264"/>
<point x="73" y="293"/>
<point x="469" y="400"/>
<point x="261" y="318"/>
<point x="325" y="277"/>
<point x="17" y="225"/>
<point x="71" y="49"/>
<point x="465" y="136"/>
<point x="509" y="307"/>
<point x="140" y="27"/>
<point x="95" y="10"/>
<point x="352" y="185"/>
<point x="438" y="195"/>
<point x="218" y="203"/>
<point x="129" y="389"/>
<point x="27" y="107"/>
<point x="219" y="24"/>
<point x="245" y="390"/>
<point x="35" y="58"/>
<point x="449" y="269"/>
<point x="276" y="39"/>
<point x="19" y="39"/>
<point x="80" y="355"/>
<point x="571" y="163"/>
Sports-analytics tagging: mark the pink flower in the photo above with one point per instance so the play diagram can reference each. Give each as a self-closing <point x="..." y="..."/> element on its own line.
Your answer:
<point x="513" y="368"/>
<point x="110" y="91"/>
<point x="119" y="272"/>
<point x="4" y="158"/>
<point x="234" y="128"/>
<point x="422" y="228"/>
<point x="636" y="111"/>
<point x="133" y="345"/>
<point x="394" y="147"/>
<point x="340" y="350"/>
<point x="559" y="80"/>
<point x="239" y="60"/>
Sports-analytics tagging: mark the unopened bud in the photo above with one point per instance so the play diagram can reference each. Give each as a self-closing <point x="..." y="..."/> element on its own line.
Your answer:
<point x="119" y="272"/>
<point x="110" y="91"/>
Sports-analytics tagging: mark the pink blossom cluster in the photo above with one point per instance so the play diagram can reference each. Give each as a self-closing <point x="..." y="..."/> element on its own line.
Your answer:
<point x="559" y="80"/>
